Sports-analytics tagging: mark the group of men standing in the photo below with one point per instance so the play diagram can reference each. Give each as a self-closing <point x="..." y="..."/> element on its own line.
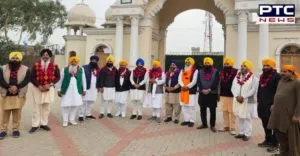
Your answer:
<point x="274" y="97"/>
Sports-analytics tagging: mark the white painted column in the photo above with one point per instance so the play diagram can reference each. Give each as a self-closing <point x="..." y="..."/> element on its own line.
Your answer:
<point x="263" y="43"/>
<point x="134" y="44"/>
<point x="242" y="37"/>
<point x="119" y="39"/>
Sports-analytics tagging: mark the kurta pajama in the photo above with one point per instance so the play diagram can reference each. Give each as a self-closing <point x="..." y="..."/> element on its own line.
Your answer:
<point x="189" y="109"/>
<point x="137" y="94"/>
<point x="12" y="103"/>
<point x="71" y="100"/>
<point x="41" y="75"/>
<point x="91" y="90"/>
<point x="247" y="110"/>
<point x="172" y="103"/>
<point x="154" y="96"/>
<point x="286" y="105"/>
<point x="122" y="91"/>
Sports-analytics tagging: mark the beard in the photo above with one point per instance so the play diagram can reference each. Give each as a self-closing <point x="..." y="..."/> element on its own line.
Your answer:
<point x="73" y="69"/>
<point x="14" y="65"/>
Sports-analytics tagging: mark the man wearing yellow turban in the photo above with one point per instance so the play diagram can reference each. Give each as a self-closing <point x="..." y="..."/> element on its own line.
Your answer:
<point x="227" y="75"/>
<point x="122" y="88"/>
<point x="285" y="112"/>
<point x="154" y="97"/>
<point x="244" y="89"/>
<point x="268" y="82"/>
<point x="14" y="78"/>
<point x="188" y="81"/>
<point x="208" y="93"/>
<point x="91" y="72"/>
<point x="106" y="85"/>
<point x="71" y="88"/>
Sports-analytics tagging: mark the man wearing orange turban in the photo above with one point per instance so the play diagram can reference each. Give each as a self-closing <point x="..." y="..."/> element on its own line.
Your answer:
<point x="14" y="79"/>
<point x="208" y="93"/>
<point x="268" y="82"/>
<point x="188" y="82"/>
<point x="71" y="88"/>
<point x="244" y="88"/>
<point x="227" y="75"/>
<point x="285" y="112"/>
<point x="122" y="88"/>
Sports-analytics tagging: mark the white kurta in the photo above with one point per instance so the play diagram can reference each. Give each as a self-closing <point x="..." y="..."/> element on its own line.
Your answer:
<point x="156" y="100"/>
<point x="192" y="97"/>
<point x="72" y="96"/>
<point x="91" y="94"/>
<point x="135" y="94"/>
<point x="246" y="109"/>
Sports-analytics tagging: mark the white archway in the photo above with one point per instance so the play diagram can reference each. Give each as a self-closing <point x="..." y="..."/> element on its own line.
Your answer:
<point x="99" y="50"/>
<point x="280" y="48"/>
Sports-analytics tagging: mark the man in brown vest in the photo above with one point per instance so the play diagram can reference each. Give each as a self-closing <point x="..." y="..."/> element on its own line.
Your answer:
<point x="14" y="78"/>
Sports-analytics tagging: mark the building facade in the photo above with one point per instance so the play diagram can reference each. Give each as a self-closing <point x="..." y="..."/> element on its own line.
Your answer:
<point x="137" y="28"/>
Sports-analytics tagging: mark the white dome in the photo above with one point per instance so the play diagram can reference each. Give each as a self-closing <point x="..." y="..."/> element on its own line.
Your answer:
<point x="81" y="14"/>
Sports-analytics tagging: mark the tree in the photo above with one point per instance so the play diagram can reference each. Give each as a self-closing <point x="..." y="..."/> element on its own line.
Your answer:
<point x="6" y="48"/>
<point x="31" y="16"/>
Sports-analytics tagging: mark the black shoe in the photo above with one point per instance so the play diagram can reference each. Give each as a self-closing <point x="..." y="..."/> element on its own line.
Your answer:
<point x="45" y="127"/>
<point x="213" y="129"/>
<point x="176" y="121"/>
<point x="132" y="117"/>
<point x="152" y="118"/>
<point x="191" y="124"/>
<point x="101" y="116"/>
<point x="109" y="115"/>
<point x="185" y="123"/>
<point x="240" y="136"/>
<point x="139" y="117"/>
<point x="90" y="117"/>
<point x="168" y="119"/>
<point x="246" y="138"/>
<point x="16" y="134"/>
<point x="202" y="127"/>
<point x="80" y="119"/>
<point x="272" y="149"/>
<point x="3" y="135"/>
<point x="33" y="129"/>
<point x="263" y="144"/>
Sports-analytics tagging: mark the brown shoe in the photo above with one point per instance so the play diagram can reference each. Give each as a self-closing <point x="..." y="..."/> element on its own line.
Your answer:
<point x="225" y="129"/>
<point x="213" y="129"/>
<point x="202" y="127"/>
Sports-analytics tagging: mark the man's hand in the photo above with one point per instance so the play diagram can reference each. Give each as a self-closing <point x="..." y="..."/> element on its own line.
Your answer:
<point x="152" y="80"/>
<point x="41" y="88"/>
<point x="240" y="99"/>
<point x="83" y="93"/>
<point x="13" y="89"/>
<point x="172" y="89"/>
<point x="185" y="88"/>
<point x="47" y="86"/>
<point x="295" y="120"/>
<point x="101" y="90"/>
<point x="206" y="91"/>
<point x="136" y="86"/>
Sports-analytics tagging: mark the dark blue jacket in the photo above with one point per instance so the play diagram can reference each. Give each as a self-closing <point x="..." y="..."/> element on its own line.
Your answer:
<point x="88" y="75"/>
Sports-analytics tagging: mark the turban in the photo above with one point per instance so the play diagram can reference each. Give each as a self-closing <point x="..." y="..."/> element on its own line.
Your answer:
<point x="94" y="57"/>
<point x="48" y="51"/>
<point x="229" y="61"/>
<point x="156" y="63"/>
<point x="72" y="53"/>
<point x="123" y="63"/>
<point x="291" y="68"/>
<point x="248" y="64"/>
<point x="16" y="54"/>
<point x="190" y="60"/>
<point x="270" y="62"/>
<point x="110" y="58"/>
<point x="140" y="61"/>
<point x="74" y="59"/>
<point x="208" y="60"/>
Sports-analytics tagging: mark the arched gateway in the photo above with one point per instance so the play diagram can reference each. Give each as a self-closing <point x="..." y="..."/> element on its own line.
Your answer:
<point x="137" y="28"/>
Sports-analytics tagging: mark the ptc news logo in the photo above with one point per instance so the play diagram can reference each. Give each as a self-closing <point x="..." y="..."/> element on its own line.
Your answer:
<point x="276" y="14"/>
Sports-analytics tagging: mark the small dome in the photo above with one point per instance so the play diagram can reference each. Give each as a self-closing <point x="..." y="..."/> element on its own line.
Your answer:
<point x="108" y="15"/>
<point x="81" y="14"/>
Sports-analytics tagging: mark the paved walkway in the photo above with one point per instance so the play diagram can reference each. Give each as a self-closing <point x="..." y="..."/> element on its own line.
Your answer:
<point x="125" y="137"/>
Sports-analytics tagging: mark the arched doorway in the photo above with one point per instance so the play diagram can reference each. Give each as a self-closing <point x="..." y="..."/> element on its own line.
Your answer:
<point x="102" y="51"/>
<point x="290" y="54"/>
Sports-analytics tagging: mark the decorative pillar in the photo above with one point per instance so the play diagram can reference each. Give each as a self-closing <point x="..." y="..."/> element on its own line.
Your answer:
<point x="119" y="39"/>
<point x="263" y="43"/>
<point x="242" y="37"/>
<point x="134" y="44"/>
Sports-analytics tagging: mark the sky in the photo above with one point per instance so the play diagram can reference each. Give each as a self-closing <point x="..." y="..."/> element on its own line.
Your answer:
<point x="185" y="32"/>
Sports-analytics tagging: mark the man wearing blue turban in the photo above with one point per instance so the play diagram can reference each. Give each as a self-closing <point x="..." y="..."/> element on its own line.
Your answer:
<point x="137" y="79"/>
